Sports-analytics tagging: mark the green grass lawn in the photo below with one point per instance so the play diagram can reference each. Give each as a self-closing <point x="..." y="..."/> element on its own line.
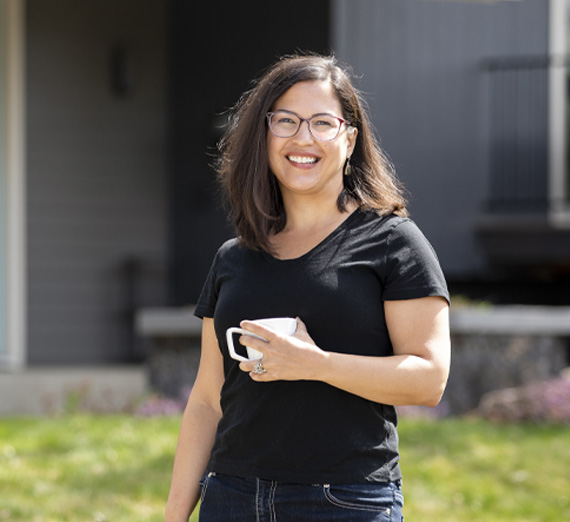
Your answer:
<point x="117" y="468"/>
<point x="472" y="470"/>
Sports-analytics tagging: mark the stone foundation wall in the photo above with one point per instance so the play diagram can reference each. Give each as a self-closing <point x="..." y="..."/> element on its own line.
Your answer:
<point x="173" y="364"/>
<point x="483" y="363"/>
<point x="492" y="349"/>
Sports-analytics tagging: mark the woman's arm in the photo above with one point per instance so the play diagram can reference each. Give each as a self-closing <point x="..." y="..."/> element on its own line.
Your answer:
<point x="198" y="430"/>
<point x="415" y="375"/>
<point x="417" y="372"/>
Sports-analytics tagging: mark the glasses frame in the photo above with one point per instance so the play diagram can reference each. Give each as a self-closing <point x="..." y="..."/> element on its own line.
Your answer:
<point x="308" y="120"/>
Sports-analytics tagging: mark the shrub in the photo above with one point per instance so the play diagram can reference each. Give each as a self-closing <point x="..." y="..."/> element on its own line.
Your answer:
<point x="547" y="401"/>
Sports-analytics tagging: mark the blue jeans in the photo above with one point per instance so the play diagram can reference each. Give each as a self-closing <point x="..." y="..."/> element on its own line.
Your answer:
<point x="234" y="499"/>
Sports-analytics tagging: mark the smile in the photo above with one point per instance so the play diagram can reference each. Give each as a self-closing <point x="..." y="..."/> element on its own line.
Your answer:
<point x="307" y="160"/>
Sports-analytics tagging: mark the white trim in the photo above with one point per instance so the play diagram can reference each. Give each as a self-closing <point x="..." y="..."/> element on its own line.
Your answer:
<point x="15" y="185"/>
<point x="158" y="322"/>
<point x="512" y="320"/>
<point x="559" y="210"/>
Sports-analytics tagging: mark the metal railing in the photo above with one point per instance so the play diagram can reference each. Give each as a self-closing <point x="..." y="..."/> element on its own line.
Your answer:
<point x="518" y="133"/>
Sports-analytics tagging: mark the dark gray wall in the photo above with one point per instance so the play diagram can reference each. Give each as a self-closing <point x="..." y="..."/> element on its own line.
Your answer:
<point x="96" y="172"/>
<point x="421" y="66"/>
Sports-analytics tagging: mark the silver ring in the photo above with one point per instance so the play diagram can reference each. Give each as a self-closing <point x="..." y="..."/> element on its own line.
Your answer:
<point x="259" y="369"/>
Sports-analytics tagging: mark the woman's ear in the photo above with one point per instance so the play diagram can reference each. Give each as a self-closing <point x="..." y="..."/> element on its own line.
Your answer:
<point x="351" y="134"/>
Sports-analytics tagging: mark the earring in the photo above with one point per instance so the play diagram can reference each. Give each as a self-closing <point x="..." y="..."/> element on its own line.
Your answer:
<point x="347" y="168"/>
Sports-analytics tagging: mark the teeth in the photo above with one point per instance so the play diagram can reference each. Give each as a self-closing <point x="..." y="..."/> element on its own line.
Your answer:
<point x="302" y="159"/>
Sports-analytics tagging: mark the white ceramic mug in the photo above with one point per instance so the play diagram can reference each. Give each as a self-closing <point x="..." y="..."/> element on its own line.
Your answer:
<point x="284" y="325"/>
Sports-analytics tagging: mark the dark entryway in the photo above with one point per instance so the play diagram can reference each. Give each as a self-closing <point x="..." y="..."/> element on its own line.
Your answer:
<point x="217" y="48"/>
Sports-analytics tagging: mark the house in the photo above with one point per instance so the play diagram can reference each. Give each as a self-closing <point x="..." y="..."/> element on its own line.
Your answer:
<point x="110" y="112"/>
<point x="470" y="100"/>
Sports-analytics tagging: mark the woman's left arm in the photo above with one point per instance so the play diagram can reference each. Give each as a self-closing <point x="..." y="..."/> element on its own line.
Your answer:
<point x="415" y="375"/>
<point x="417" y="372"/>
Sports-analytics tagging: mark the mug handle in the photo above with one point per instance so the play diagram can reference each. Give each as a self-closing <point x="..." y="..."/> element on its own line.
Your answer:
<point x="229" y="338"/>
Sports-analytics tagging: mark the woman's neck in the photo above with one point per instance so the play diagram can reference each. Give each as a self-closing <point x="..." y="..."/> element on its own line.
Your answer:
<point x="307" y="213"/>
<point x="307" y="225"/>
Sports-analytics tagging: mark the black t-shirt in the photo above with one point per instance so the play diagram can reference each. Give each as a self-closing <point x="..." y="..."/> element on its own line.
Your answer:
<point x="307" y="431"/>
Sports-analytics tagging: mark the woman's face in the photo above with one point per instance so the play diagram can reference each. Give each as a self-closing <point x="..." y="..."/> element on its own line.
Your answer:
<point x="303" y="165"/>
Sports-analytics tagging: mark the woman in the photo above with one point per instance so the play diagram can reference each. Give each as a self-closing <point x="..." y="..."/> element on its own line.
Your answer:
<point x="309" y="433"/>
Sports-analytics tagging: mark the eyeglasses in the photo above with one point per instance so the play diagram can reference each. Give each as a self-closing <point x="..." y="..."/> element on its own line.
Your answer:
<point x="285" y="124"/>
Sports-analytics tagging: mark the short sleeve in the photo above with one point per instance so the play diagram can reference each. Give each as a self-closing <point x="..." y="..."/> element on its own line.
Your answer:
<point x="208" y="296"/>
<point x="412" y="267"/>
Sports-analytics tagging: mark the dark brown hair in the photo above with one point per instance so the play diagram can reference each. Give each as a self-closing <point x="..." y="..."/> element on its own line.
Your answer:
<point x="252" y="191"/>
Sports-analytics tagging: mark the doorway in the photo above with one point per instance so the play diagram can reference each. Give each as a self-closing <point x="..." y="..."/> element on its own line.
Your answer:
<point x="217" y="49"/>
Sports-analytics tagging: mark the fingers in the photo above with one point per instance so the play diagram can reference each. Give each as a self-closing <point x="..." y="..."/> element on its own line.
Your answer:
<point x="301" y="327"/>
<point x="251" y="366"/>
<point x="257" y="370"/>
<point x="258" y="329"/>
<point x="275" y="348"/>
<point x="260" y="345"/>
<point x="269" y="333"/>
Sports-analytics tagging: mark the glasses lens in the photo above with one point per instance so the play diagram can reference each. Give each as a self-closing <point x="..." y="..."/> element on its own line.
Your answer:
<point x="284" y="124"/>
<point x="325" y="127"/>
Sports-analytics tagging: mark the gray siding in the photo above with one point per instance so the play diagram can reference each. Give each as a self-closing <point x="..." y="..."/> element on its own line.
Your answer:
<point x="96" y="172"/>
<point x="421" y="67"/>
